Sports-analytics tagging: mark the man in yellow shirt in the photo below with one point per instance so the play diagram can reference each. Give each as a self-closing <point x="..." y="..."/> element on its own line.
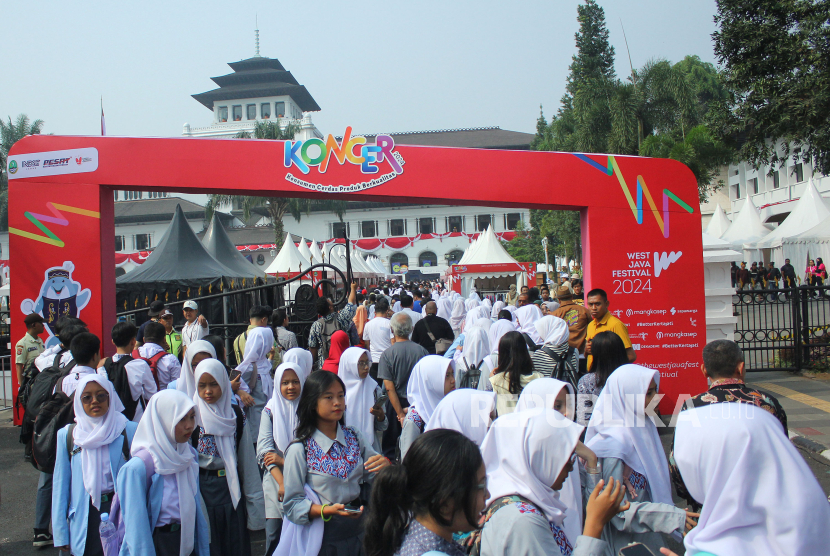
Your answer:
<point x="597" y="302"/>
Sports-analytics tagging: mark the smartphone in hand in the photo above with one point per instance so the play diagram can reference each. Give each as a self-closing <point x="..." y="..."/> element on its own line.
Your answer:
<point x="235" y="373"/>
<point x="636" y="549"/>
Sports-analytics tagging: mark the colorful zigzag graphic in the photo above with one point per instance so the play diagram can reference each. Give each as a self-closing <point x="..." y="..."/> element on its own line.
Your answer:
<point x="56" y="218"/>
<point x="662" y="220"/>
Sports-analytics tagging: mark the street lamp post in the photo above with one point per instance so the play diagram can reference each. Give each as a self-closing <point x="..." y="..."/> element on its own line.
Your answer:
<point x="547" y="265"/>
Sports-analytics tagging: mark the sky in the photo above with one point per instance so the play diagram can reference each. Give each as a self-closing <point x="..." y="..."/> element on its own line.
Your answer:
<point x="377" y="66"/>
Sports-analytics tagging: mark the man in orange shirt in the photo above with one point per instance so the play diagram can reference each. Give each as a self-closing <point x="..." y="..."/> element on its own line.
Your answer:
<point x="597" y="302"/>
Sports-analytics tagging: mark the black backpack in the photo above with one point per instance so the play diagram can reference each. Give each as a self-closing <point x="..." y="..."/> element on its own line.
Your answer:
<point x="471" y="376"/>
<point x="117" y="374"/>
<point x="240" y="423"/>
<point x="531" y="345"/>
<point x="562" y="372"/>
<point x="30" y="372"/>
<point x="39" y="392"/>
<point x="55" y="414"/>
<point x="327" y="329"/>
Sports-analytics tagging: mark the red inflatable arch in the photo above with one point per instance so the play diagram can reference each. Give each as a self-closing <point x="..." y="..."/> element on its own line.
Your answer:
<point x="640" y="222"/>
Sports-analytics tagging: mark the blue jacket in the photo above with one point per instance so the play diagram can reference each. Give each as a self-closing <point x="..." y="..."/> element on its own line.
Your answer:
<point x="140" y="511"/>
<point x="70" y="500"/>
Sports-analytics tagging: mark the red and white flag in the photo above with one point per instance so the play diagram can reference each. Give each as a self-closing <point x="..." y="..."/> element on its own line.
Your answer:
<point x="103" y="123"/>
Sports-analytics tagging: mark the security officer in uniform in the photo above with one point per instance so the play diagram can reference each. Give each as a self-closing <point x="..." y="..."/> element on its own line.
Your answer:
<point x="174" y="339"/>
<point x="30" y="346"/>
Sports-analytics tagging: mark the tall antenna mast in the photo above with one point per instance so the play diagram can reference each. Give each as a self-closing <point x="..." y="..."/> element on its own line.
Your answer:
<point x="256" y="35"/>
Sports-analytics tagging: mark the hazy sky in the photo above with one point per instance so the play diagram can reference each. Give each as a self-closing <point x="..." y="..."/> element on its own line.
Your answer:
<point x="377" y="66"/>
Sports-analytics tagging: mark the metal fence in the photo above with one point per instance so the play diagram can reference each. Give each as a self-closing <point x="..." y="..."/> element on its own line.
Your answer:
<point x="784" y="329"/>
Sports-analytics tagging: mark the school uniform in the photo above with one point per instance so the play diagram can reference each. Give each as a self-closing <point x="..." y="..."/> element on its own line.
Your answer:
<point x="168" y="368"/>
<point x="142" y="383"/>
<point x="76" y="515"/>
<point x="361" y="395"/>
<point x="162" y="512"/>
<point x="70" y="382"/>
<point x="424" y="391"/>
<point x="334" y="470"/>
<point x="256" y="372"/>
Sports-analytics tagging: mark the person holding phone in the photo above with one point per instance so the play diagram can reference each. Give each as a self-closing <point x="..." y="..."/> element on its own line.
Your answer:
<point x="324" y="469"/>
<point x="362" y="395"/>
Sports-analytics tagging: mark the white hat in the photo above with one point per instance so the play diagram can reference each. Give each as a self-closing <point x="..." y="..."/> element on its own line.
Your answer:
<point x="191" y="305"/>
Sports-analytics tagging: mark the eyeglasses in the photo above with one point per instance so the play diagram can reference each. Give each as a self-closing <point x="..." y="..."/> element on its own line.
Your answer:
<point x="363" y="364"/>
<point x="100" y="397"/>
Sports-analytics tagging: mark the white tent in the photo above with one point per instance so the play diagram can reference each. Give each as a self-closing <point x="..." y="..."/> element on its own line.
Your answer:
<point x="489" y="250"/>
<point x="465" y="258"/>
<point x="718" y="224"/>
<point x="305" y="252"/>
<point x="746" y="228"/>
<point x="375" y="263"/>
<point x="315" y="252"/>
<point x="288" y="260"/>
<point x="811" y="244"/>
<point x="809" y="211"/>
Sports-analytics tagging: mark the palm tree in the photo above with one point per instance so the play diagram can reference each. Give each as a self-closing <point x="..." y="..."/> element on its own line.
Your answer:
<point x="277" y="207"/>
<point x="11" y="133"/>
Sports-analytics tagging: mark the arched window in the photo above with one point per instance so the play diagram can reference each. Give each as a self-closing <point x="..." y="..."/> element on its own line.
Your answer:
<point x="396" y="261"/>
<point x="455" y="256"/>
<point x="427" y="258"/>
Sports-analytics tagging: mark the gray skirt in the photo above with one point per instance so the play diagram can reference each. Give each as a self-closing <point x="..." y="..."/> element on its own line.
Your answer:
<point x="343" y="536"/>
<point x="228" y="525"/>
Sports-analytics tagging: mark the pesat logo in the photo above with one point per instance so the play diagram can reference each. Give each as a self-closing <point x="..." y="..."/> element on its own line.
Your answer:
<point x="318" y="153"/>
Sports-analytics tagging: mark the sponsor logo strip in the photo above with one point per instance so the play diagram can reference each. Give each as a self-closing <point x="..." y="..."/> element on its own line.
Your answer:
<point x="53" y="163"/>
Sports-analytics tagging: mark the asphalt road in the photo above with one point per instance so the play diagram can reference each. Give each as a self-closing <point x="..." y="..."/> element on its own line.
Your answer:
<point x="18" y="485"/>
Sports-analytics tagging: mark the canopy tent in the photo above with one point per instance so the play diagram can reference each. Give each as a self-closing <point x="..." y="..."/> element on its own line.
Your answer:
<point x="375" y="263"/>
<point x="746" y="228"/>
<point x="489" y="267"/>
<point x="315" y="252"/>
<point x="180" y="267"/>
<point x="305" y="252"/>
<point x="810" y="211"/>
<point x="810" y="244"/>
<point x="718" y="224"/>
<point x="289" y="261"/>
<point x="218" y="244"/>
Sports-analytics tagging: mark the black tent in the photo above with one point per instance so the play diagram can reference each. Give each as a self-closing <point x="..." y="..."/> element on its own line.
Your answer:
<point x="179" y="268"/>
<point x="218" y="244"/>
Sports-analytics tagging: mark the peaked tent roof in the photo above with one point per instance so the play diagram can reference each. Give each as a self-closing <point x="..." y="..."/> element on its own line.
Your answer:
<point x="315" y="252"/>
<point x="305" y="252"/>
<point x="809" y="211"/>
<point x="218" y="244"/>
<point x="489" y="250"/>
<point x="179" y="256"/>
<point x="470" y="250"/>
<point x="746" y="227"/>
<point x="288" y="260"/>
<point x="718" y="224"/>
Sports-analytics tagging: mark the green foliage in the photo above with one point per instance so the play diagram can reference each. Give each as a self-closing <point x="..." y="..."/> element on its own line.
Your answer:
<point x="11" y="133"/>
<point x="527" y="245"/>
<point x="594" y="58"/>
<point x="775" y="56"/>
<point x="277" y="207"/>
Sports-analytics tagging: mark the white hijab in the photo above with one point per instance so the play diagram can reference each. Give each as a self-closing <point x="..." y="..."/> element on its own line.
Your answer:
<point x="360" y="392"/>
<point x="284" y="412"/>
<point x="499" y="329"/>
<point x="426" y="385"/>
<point x="444" y="308"/>
<point x="758" y="494"/>
<point x="466" y="411"/>
<point x="95" y="434"/>
<point x="156" y="434"/>
<point x="475" y="315"/>
<point x="497" y="307"/>
<point x="553" y="330"/>
<point x="486" y="303"/>
<point x="219" y="420"/>
<point x="541" y="393"/>
<point x="459" y="311"/>
<point x="186" y="382"/>
<point x="476" y="349"/>
<point x="526" y="318"/>
<point x="259" y="344"/>
<point x="301" y="357"/>
<point x="524" y="452"/>
<point x="619" y="428"/>
<point x="471" y="302"/>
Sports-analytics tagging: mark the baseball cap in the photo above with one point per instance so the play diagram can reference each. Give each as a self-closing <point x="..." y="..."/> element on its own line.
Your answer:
<point x="155" y="308"/>
<point x="191" y="305"/>
<point x="165" y="313"/>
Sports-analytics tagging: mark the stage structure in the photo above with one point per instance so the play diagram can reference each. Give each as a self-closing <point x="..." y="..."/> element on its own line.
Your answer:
<point x="639" y="217"/>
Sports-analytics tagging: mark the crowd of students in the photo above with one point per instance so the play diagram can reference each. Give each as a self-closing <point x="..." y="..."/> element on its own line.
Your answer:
<point x="370" y="443"/>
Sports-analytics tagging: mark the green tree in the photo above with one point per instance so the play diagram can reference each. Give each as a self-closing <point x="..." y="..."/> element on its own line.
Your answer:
<point x="527" y="245"/>
<point x="11" y="133"/>
<point x="277" y="207"/>
<point x="775" y="56"/>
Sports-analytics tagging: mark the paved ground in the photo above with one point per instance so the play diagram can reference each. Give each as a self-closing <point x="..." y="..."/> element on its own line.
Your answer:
<point x="806" y="401"/>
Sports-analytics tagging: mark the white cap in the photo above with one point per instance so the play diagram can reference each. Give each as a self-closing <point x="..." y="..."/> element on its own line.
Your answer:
<point x="191" y="305"/>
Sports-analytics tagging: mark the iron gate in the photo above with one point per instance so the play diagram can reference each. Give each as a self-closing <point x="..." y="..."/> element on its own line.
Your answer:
<point x="784" y="329"/>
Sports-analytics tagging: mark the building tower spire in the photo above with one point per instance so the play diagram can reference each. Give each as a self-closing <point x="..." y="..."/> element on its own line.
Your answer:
<point x="256" y="37"/>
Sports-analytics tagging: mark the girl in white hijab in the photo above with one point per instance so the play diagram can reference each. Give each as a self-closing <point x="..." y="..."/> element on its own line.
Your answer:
<point x="758" y="494"/>
<point x="226" y="459"/>
<point x="467" y="411"/>
<point x="256" y="371"/>
<point x="628" y="446"/>
<point x="167" y="518"/>
<point x="301" y="357"/>
<point x="554" y="333"/>
<point x="497" y="307"/>
<point x="432" y="378"/>
<point x="528" y="456"/>
<point x="276" y="432"/>
<point x="84" y="482"/>
<point x="197" y="352"/>
<point x="471" y="302"/>
<point x="526" y="317"/>
<point x="459" y="311"/>
<point x="444" y="308"/>
<point x="473" y="316"/>
<point x="361" y="394"/>
<point x="549" y="393"/>
<point x="474" y="353"/>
